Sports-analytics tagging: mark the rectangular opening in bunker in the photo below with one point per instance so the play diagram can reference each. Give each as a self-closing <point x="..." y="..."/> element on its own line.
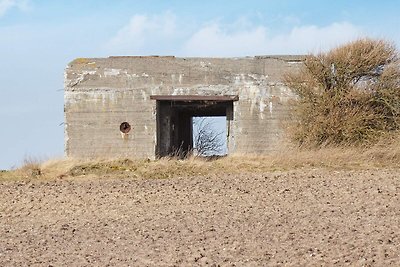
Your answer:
<point x="176" y="116"/>
<point x="210" y="136"/>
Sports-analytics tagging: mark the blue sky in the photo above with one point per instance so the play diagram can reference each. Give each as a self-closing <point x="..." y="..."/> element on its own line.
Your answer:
<point x="39" y="38"/>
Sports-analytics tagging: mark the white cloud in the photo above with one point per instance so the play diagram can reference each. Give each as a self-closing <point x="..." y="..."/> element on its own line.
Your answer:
<point x="6" y="5"/>
<point x="164" y="34"/>
<point x="216" y="40"/>
<point x="143" y="32"/>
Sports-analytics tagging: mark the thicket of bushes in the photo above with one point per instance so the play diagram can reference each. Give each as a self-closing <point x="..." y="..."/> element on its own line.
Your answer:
<point x="349" y="95"/>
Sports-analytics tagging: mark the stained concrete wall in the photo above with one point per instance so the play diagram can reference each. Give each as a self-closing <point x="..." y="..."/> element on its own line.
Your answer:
<point x="101" y="93"/>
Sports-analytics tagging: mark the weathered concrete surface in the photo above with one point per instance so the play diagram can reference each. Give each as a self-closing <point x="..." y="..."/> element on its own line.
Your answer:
<point x="101" y="93"/>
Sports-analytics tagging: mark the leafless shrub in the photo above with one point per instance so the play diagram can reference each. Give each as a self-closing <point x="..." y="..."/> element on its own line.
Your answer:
<point x="350" y="95"/>
<point x="207" y="142"/>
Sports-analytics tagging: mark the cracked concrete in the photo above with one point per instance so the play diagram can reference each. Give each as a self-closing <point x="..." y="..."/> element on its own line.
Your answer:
<point x="101" y="93"/>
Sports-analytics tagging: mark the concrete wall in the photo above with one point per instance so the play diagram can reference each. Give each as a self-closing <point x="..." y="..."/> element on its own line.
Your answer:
<point x="101" y="93"/>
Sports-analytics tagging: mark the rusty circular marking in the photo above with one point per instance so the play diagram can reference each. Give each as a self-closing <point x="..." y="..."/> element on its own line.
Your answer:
<point x="125" y="127"/>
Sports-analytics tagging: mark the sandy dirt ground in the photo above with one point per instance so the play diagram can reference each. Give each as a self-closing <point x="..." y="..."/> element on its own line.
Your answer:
<point x="294" y="218"/>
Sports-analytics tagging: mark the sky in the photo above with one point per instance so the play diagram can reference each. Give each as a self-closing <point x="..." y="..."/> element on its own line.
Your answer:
<point x="39" y="38"/>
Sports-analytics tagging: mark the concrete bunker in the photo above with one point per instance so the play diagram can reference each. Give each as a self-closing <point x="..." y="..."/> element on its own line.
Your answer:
<point x="151" y="102"/>
<point x="175" y="119"/>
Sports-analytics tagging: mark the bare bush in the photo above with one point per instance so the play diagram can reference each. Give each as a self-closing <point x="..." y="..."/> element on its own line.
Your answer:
<point x="350" y="95"/>
<point x="207" y="142"/>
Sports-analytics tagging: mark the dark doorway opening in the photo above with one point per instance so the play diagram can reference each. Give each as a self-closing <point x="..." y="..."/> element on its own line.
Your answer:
<point x="175" y="120"/>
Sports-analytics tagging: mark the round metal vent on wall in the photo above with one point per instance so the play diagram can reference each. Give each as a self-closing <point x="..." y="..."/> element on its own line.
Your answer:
<point x="125" y="127"/>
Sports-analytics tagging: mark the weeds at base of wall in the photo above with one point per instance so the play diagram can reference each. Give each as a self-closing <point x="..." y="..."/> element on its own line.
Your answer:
<point x="384" y="154"/>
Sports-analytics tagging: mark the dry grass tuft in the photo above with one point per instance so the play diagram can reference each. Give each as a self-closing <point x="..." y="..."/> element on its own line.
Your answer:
<point x="384" y="154"/>
<point x="31" y="167"/>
